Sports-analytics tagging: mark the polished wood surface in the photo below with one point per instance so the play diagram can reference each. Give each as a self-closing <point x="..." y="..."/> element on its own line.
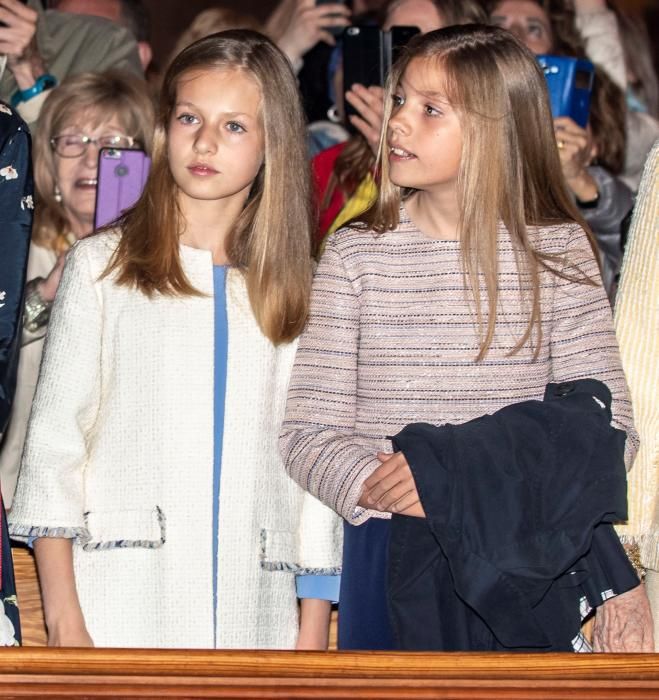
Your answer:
<point x="99" y="673"/>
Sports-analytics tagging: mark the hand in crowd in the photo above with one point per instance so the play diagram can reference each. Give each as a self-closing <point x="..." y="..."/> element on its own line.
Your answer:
<point x="48" y="288"/>
<point x="624" y="624"/>
<point x="369" y="102"/>
<point x="309" y="25"/>
<point x="18" y="41"/>
<point x="391" y="487"/>
<point x="576" y="151"/>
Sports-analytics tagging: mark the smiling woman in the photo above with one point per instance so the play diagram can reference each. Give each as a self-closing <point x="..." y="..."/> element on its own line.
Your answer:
<point x="85" y="113"/>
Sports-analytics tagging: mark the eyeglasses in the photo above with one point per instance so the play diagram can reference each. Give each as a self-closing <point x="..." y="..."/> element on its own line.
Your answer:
<point x="74" y="145"/>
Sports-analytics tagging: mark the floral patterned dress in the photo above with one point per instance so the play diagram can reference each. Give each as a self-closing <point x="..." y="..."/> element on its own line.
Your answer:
<point x="16" y="207"/>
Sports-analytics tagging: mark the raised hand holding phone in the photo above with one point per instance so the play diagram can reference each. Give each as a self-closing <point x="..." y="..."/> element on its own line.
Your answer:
<point x="313" y="21"/>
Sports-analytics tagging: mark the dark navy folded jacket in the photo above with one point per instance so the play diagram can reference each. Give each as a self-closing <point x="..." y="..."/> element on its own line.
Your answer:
<point x="517" y="538"/>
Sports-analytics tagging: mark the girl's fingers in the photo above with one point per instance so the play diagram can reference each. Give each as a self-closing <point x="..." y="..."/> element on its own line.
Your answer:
<point x="387" y="468"/>
<point x="393" y="495"/>
<point x="410" y="499"/>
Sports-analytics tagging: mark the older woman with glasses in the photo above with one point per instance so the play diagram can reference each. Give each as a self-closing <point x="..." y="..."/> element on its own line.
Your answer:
<point x="85" y="113"/>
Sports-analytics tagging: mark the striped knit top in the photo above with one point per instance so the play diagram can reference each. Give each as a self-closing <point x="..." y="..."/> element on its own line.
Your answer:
<point x="392" y="340"/>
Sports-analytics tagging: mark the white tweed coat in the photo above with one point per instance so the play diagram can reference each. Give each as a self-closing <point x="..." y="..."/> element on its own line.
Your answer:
<point x="119" y="455"/>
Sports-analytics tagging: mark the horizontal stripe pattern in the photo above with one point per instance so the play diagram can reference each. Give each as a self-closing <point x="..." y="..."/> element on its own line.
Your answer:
<point x="392" y="340"/>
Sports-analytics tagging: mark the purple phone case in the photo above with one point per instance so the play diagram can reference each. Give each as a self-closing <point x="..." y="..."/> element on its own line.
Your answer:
<point x="121" y="177"/>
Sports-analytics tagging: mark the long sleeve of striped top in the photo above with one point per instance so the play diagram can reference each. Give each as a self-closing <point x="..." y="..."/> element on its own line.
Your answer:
<point x="392" y="340"/>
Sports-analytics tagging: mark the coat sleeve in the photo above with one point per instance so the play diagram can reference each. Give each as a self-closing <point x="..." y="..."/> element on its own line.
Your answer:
<point x="637" y="327"/>
<point x="15" y="227"/>
<point x="583" y="341"/>
<point x="49" y="500"/>
<point x="318" y="443"/>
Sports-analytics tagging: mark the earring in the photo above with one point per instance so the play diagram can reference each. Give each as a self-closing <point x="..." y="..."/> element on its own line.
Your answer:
<point x="57" y="195"/>
<point x="333" y="114"/>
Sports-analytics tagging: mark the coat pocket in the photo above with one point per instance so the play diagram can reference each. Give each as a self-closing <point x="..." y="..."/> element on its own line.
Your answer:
<point x="140" y="527"/>
<point x="279" y="550"/>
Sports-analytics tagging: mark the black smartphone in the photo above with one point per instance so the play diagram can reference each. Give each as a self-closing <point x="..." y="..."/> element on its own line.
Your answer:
<point x="4" y="24"/>
<point x="335" y="31"/>
<point x="399" y="37"/>
<point x="363" y="56"/>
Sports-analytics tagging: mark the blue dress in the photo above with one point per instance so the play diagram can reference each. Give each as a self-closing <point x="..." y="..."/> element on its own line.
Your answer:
<point x="322" y="587"/>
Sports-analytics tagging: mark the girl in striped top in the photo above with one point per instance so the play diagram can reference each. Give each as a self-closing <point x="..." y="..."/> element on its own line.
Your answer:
<point x="469" y="285"/>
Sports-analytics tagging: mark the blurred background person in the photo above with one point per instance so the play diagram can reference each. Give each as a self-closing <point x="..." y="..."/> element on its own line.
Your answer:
<point x="85" y="113"/>
<point x="16" y="208"/>
<point x="130" y="14"/>
<point x="42" y="47"/>
<point x="592" y="158"/>
<point x="343" y="172"/>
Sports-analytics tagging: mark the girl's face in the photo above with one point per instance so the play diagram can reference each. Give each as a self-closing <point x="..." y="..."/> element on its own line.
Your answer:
<point x="424" y="132"/>
<point x="215" y="140"/>
<point x="422" y="14"/>
<point x="527" y="21"/>
<point x="76" y="165"/>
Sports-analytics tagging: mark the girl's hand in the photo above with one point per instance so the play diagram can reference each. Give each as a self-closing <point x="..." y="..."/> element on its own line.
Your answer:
<point x="314" y="624"/>
<point x="624" y="624"/>
<point x="73" y="635"/>
<point x="369" y="102"/>
<point x="576" y="151"/>
<point x="391" y="487"/>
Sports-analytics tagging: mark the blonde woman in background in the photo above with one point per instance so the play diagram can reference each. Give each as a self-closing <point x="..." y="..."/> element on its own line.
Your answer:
<point x="85" y="113"/>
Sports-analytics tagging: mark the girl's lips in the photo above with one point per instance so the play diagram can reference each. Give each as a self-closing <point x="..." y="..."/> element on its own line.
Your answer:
<point x="202" y="170"/>
<point x="399" y="154"/>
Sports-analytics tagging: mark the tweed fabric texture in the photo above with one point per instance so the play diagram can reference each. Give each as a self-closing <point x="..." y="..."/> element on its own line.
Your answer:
<point x="119" y="455"/>
<point x="637" y="327"/>
<point x="392" y="341"/>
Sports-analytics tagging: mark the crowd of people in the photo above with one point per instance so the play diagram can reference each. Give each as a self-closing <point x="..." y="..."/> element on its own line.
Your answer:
<point x="387" y="347"/>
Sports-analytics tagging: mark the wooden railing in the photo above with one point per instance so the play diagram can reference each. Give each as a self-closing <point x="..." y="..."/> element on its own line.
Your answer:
<point x="120" y="673"/>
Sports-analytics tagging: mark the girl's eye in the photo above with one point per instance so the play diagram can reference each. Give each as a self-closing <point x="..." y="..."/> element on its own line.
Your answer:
<point x="235" y="127"/>
<point x="397" y="100"/>
<point x="187" y="119"/>
<point x="432" y="111"/>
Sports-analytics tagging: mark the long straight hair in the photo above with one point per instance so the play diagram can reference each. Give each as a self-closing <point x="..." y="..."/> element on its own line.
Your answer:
<point x="510" y="170"/>
<point x="270" y="242"/>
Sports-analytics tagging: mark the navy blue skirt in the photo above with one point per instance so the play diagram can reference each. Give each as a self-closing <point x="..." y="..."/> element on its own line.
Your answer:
<point x="363" y="609"/>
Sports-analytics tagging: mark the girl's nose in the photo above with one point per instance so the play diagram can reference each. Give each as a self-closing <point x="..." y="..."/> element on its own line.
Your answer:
<point x="205" y="141"/>
<point x="399" y="123"/>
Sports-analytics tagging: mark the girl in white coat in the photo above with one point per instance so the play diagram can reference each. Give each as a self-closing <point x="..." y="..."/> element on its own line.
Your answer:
<point x="151" y="483"/>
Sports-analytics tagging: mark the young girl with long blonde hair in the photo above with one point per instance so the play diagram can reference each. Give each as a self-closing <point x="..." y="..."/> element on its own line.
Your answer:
<point x="161" y="514"/>
<point x="469" y="286"/>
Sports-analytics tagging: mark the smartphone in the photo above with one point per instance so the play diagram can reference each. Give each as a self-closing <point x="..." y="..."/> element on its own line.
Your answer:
<point x="368" y="54"/>
<point x="399" y="37"/>
<point x="122" y="173"/>
<point x="335" y="31"/>
<point x="570" y="85"/>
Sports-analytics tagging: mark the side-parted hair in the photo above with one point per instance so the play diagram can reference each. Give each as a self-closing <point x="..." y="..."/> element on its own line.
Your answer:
<point x="85" y="100"/>
<point x="271" y="239"/>
<point x="510" y="169"/>
<point x="356" y="160"/>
